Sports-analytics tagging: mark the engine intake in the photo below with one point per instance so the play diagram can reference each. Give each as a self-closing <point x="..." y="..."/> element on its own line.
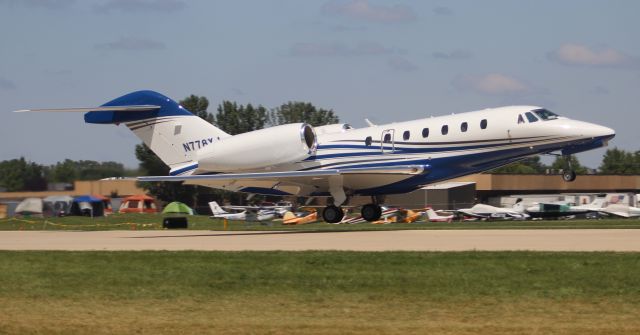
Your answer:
<point x="260" y="148"/>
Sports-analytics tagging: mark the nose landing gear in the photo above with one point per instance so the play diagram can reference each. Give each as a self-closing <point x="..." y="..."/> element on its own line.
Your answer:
<point x="332" y="214"/>
<point x="568" y="174"/>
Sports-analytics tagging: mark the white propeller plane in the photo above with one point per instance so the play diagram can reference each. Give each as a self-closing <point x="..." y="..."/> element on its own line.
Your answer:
<point x="338" y="161"/>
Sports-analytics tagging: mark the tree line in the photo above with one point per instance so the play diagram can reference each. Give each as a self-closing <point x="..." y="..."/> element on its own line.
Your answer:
<point x="615" y="161"/>
<point x="22" y="175"/>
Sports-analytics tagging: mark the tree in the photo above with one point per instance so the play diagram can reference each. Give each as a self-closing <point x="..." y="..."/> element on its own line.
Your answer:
<point x="561" y="164"/>
<point x="529" y="165"/>
<point x="296" y="111"/>
<point x="20" y="175"/>
<point x="236" y="119"/>
<point x="616" y="161"/>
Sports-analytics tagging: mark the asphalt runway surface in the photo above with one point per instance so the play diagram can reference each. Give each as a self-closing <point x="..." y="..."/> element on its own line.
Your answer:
<point x="399" y="240"/>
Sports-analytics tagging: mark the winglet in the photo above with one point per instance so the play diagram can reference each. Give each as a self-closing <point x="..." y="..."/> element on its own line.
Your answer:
<point x="369" y="123"/>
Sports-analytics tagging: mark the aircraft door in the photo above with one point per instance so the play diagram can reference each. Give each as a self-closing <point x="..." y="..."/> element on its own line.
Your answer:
<point x="387" y="141"/>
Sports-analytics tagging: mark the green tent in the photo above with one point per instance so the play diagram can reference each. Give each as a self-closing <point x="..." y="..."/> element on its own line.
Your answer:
<point x="177" y="207"/>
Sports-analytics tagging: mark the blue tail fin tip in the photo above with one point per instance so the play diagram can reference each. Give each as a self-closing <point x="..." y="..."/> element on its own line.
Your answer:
<point x="168" y="107"/>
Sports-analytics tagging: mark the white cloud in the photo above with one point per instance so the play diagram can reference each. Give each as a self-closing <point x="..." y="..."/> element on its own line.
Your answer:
<point x="6" y="84"/>
<point x="338" y="49"/>
<point x="453" y="55"/>
<point x="491" y="84"/>
<point x="48" y="4"/>
<point x="441" y="10"/>
<point x="576" y="54"/>
<point x="127" y="6"/>
<point x="130" y="43"/>
<point x="401" y="64"/>
<point x="363" y="10"/>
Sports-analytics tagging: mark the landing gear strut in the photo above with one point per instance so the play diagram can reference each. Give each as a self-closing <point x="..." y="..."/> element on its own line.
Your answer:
<point x="332" y="214"/>
<point x="568" y="174"/>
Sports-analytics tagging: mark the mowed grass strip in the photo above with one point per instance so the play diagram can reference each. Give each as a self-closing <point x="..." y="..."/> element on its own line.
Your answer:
<point x="203" y="222"/>
<point x="319" y="292"/>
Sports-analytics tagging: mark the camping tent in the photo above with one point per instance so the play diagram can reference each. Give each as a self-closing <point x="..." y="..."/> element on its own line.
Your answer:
<point x="177" y="208"/>
<point x="138" y="204"/>
<point x="30" y="206"/>
<point x="87" y="205"/>
<point x="57" y="205"/>
<point x="106" y="202"/>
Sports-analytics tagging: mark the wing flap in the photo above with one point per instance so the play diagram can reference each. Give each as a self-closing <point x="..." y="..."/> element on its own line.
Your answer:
<point x="388" y="170"/>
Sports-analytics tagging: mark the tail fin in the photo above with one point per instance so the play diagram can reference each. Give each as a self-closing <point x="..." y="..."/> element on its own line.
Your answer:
<point x="216" y="209"/>
<point x="170" y="131"/>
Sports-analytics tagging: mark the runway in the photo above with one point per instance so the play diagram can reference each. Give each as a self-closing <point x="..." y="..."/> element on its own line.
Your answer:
<point x="400" y="240"/>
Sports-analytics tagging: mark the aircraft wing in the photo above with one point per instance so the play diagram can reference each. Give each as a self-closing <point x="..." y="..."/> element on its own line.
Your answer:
<point x="398" y="170"/>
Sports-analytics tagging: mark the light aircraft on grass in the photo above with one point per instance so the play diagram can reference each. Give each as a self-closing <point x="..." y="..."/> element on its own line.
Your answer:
<point x="338" y="161"/>
<point x="245" y="213"/>
<point x="488" y="212"/>
<point x="559" y="210"/>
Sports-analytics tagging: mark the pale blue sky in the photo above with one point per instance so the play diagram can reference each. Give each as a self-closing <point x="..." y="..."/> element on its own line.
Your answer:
<point x="385" y="60"/>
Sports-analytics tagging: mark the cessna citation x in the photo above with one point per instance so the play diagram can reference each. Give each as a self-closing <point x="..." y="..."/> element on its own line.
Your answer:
<point x="336" y="160"/>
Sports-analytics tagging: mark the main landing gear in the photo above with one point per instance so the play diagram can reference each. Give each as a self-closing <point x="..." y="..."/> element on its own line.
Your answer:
<point x="371" y="212"/>
<point x="332" y="214"/>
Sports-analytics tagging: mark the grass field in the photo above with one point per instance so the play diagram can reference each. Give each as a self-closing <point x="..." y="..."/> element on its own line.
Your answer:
<point x="319" y="292"/>
<point x="202" y="222"/>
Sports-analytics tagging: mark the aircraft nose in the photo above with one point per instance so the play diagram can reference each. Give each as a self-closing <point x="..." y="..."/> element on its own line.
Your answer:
<point x="598" y="131"/>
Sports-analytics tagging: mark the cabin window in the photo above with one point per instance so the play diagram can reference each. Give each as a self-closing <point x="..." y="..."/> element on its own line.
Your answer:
<point x="531" y="117"/>
<point x="463" y="127"/>
<point x="520" y="119"/>
<point x="387" y="138"/>
<point x="545" y="114"/>
<point x="445" y="129"/>
<point x="367" y="141"/>
<point x="425" y="132"/>
<point x="406" y="135"/>
<point x="483" y="124"/>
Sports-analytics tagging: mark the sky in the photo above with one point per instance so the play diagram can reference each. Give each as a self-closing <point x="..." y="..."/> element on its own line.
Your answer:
<point x="383" y="60"/>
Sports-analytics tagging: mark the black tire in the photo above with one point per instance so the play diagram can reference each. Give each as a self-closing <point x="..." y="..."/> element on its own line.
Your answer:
<point x="569" y="176"/>
<point x="371" y="212"/>
<point x="332" y="214"/>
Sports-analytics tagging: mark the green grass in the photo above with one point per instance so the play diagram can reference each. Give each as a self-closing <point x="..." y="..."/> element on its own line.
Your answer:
<point x="201" y="222"/>
<point x="319" y="292"/>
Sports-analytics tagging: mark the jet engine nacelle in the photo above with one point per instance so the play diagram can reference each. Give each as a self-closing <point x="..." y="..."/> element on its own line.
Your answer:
<point x="260" y="148"/>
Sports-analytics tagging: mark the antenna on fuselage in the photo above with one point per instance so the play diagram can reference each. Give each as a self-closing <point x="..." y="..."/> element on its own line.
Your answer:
<point x="369" y="123"/>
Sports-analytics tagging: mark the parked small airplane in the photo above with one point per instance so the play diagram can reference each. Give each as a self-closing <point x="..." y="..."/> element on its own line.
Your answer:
<point x="558" y="210"/>
<point x="291" y="218"/>
<point x="338" y="161"/>
<point x="432" y="216"/>
<point x="621" y="210"/>
<point x="482" y="211"/>
<point x="246" y="213"/>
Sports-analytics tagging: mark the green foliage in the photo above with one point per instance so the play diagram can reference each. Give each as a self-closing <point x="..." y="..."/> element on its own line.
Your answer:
<point x="617" y="161"/>
<point x="198" y="106"/>
<point x="236" y="119"/>
<point x="296" y="111"/>
<point x="20" y="175"/>
<point x="530" y="165"/>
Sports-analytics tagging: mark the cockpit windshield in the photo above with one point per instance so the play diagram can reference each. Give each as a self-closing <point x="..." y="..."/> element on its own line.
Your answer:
<point x="545" y="114"/>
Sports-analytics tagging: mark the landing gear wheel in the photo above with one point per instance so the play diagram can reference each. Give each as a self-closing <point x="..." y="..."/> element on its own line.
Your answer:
<point x="332" y="214"/>
<point x="371" y="212"/>
<point x="569" y="176"/>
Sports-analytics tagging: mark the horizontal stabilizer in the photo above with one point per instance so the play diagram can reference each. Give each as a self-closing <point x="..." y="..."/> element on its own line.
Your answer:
<point x="132" y="108"/>
<point x="399" y="170"/>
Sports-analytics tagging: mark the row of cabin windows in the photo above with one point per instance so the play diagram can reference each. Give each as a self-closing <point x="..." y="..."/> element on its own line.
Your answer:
<point x="464" y="126"/>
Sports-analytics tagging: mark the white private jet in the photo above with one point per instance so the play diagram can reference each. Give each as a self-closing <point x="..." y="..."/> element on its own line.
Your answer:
<point x="338" y="161"/>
